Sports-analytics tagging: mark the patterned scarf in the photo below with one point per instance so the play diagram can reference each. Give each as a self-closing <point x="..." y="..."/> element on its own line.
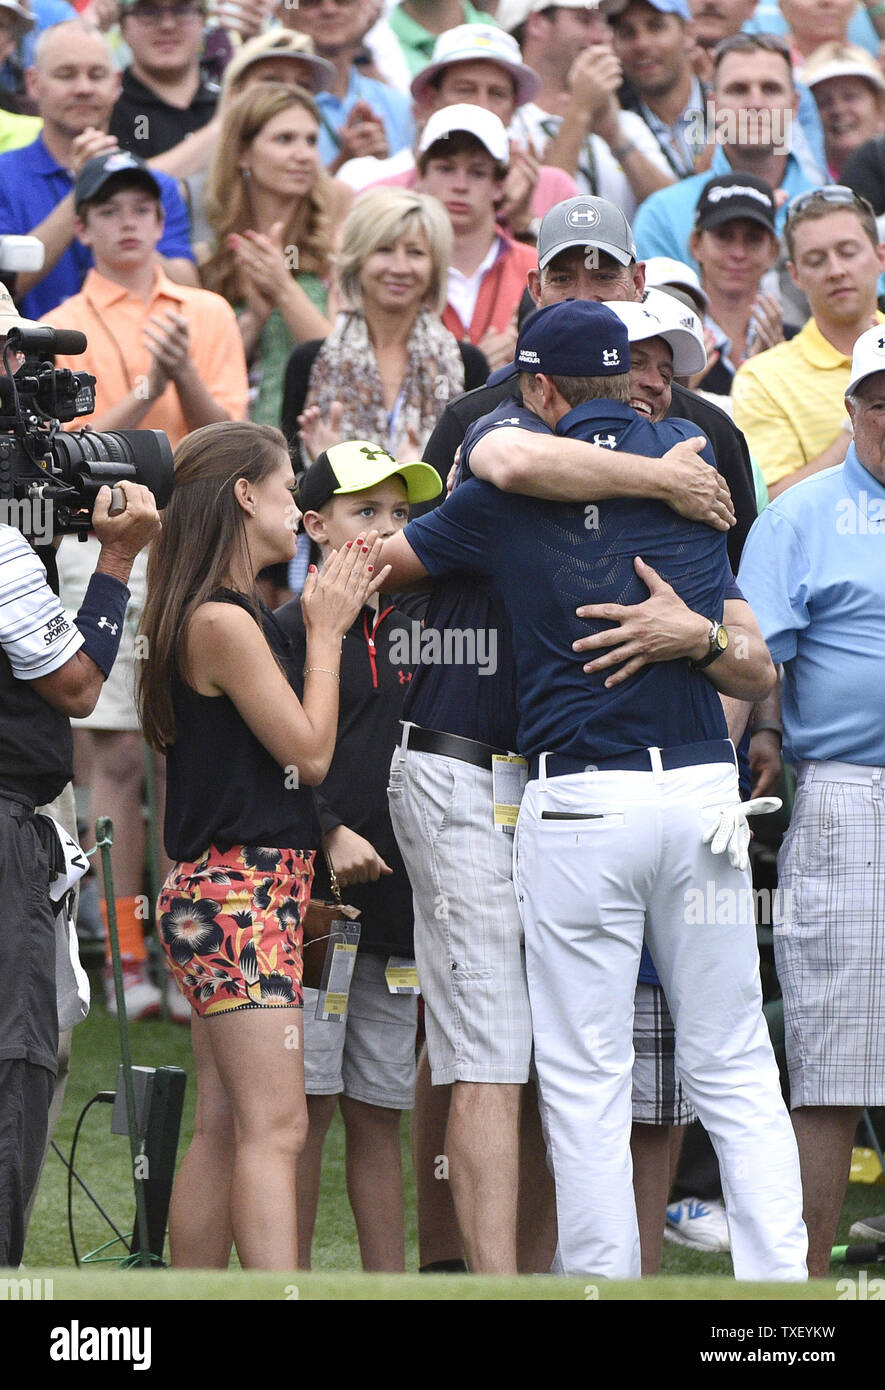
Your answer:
<point x="346" y="370"/>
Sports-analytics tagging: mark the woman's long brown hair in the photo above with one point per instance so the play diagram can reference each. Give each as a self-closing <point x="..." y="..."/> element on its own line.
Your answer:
<point x="227" y="205"/>
<point x="203" y="536"/>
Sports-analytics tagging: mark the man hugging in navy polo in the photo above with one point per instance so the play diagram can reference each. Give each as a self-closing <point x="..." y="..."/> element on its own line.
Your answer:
<point x="631" y="774"/>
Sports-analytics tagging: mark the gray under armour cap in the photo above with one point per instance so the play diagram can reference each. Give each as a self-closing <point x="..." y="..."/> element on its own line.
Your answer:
<point x="585" y="221"/>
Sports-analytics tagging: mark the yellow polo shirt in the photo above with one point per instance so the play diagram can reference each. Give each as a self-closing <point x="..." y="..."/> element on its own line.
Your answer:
<point x="113" y="320"/>
<point x="790" y="401"/>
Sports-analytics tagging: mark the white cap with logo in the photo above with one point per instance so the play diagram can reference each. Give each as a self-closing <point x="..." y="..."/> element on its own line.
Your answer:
<point x="868" y="357"/>
<point x="661" y="316"/>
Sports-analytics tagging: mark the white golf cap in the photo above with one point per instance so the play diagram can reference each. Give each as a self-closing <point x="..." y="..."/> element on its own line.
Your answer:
<point x="478" y="43"/>
<point x="841" y="60"/>
<point x="868" y="357"/>
<point x="9" y="315"/>
<point x="661" y="316"/>
<point x="512" y="13"/>
<point x="484" y="125"/>
<point x="664" y="270"/>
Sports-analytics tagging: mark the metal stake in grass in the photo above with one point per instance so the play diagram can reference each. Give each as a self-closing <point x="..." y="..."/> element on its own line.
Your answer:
<point x="104" y="838"/>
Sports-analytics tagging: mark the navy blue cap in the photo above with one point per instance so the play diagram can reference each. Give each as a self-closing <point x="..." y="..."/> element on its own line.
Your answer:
<point x="576" y="338"/>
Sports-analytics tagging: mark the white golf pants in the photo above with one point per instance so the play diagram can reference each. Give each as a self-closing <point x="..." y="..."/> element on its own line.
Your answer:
<point x="601" y="858"/>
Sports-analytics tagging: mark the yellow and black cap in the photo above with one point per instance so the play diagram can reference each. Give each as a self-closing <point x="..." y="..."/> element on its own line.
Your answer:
<point x="358" y="465"/>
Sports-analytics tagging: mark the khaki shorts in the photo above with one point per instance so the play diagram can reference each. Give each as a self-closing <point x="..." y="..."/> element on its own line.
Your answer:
<point x="115" y="709"/>
<point x="371" y="1055"/>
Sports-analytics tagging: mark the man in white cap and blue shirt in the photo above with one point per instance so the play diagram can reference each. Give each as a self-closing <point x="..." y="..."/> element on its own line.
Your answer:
<point x="814" y="571"/>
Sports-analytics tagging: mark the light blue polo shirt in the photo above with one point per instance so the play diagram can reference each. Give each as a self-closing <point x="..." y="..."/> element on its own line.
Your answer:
<point x="394" y="108"/>
<point x="663" y="224"/>
<point x="813" y="572"/>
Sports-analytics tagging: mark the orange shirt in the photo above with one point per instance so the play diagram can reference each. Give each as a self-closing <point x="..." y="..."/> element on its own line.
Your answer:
<point x="112" y="319"/>
<point x="500" y="293"/>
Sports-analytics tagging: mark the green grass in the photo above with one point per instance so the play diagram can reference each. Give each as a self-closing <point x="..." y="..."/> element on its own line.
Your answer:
<point x="103" y="1162"/>
<point x="176" y="1286"/>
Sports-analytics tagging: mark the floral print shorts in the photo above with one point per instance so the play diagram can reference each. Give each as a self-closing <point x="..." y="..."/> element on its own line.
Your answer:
<point x="230" y="924"/>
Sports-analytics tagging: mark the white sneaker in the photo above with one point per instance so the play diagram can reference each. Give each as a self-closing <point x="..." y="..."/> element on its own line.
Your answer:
<point x="179" y="1009"/>
<point x="141" y="996"/>
<point x="698" y="1224"/>
<point x="870" y="1228"/>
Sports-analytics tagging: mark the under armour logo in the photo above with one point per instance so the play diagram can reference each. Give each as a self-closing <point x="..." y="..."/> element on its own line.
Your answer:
<point x="582" y="217"/>
<point x="610" y="357"/>
<point x="605" y="441"/>
<point x="880" y="345"/>
<point x="405" y="677"/>
<point x="105" y="622"/>
<point x="373" y="454"/>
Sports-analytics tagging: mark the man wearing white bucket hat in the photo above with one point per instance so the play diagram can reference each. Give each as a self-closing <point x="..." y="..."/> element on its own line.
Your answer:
<point x="480" y="64"/>
<point x="814" y="572"/>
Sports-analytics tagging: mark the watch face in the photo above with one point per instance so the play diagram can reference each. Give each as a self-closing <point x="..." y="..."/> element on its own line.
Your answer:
<point x="721" y="638"/>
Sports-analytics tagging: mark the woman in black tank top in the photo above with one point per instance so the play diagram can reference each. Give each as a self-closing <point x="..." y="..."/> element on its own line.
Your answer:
<point x="242" y="750"/>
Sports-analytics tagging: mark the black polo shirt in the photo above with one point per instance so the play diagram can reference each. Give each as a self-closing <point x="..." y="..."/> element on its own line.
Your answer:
<point x="147" y="125"/>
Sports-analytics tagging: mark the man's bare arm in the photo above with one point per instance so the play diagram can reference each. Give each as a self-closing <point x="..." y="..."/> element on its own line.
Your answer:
<point x="405" y="567"/>
<point x="570" y="470"/>
<point x="832" y="456"/>
<point x="664" y="628"/>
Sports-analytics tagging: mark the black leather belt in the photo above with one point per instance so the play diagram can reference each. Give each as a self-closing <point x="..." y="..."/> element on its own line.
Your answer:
<point x="718" y="750"/>
<point x="13" y="804"/>
<point x="466" y="750"/>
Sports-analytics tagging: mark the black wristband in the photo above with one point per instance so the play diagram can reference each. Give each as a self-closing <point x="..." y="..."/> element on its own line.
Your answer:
<point x="100" y="620"/>
<point x="767" y="726"/>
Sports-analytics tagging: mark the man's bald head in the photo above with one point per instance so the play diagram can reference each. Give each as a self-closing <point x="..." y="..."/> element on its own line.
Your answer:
<point x="67" y="38"/>
<point x="73" y="80"/>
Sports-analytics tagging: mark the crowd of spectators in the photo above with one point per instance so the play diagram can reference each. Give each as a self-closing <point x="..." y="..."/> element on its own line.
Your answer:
<point x="334" y="218"/>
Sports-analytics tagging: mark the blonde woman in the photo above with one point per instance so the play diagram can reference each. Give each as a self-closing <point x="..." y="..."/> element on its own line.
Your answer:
<point x="389" y="367"/>
<point x="273" y="212"/>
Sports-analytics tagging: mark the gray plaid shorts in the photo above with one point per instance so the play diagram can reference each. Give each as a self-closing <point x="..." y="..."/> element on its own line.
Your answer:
<point x="829" y="936"/>
<point x="658" y="1098"/>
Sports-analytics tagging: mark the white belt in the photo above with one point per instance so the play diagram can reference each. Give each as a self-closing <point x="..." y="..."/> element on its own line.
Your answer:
<point x="829" y="771"/>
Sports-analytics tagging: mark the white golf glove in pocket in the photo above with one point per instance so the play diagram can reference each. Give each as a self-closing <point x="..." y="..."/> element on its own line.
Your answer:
<point x="730" y="832"/>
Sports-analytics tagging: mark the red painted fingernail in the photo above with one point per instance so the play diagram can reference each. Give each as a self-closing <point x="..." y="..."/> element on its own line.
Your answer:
<point x="359" y="540"/>
<point x="370" y="568"/>
<point x="349" y="544"/>
<point x="311" y="569"/>
<point x="365" y="550"/>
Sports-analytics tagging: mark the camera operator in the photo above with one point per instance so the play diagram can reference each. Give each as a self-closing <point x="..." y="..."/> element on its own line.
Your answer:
<point x="50" y="669"/>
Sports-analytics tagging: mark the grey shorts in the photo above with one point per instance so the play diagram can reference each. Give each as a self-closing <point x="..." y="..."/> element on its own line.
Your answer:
<point x="371" y="1055"/>
<point x="658" y="1097"/>
<point x="116" y="709"/>
<point x="829" y="936"/>
<point x="468" y="933"/>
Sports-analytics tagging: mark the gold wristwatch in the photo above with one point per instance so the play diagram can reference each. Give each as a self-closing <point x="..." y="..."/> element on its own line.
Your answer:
<point x="717" y="638"/>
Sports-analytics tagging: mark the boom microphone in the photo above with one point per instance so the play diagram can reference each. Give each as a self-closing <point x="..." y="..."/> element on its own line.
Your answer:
<point x="46" y="342"/>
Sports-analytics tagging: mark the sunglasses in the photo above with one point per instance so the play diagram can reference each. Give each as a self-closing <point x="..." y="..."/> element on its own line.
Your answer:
<point x="836" y="194"/>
